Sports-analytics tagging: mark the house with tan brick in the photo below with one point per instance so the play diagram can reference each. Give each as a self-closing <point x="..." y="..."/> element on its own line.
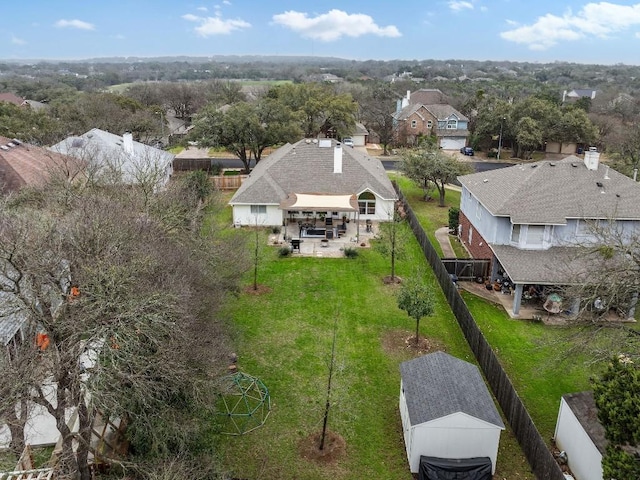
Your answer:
<point x="416" y="119"/>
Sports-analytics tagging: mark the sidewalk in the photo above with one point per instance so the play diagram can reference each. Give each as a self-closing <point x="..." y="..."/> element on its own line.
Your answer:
<point x="442" y="235"/>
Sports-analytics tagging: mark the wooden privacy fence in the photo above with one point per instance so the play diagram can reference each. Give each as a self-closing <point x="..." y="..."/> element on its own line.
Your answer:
<point x="228" y="182"/>
<point x="542" y="462"/>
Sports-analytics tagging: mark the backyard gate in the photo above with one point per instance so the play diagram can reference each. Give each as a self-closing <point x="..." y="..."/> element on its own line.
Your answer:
<point x="467" y="268"/>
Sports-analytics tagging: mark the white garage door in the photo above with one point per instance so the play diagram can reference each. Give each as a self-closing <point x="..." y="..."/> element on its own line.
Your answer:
<point x="452" y="143"/>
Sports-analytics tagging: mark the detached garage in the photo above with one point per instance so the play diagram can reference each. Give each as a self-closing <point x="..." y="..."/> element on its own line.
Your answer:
<point x="448" y="413"/>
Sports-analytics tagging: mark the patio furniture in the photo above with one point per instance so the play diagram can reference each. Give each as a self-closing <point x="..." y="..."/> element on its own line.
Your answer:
<point x="295" y="244"/>
<point x="368" y="224"/>
<point x="328" y="221"/>
<point x="328" y="235"/>
<point x="324" y="242"/>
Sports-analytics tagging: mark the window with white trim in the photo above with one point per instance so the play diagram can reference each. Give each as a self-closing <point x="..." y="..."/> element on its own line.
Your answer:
<point x="582" y="228"/>
<point x="452" y="124"/>
<point x="367" y="203"/>
<point x="258" y="209"/>
<point x="429" y="124"/>
<point x="535" y="234"/>
<point x="414" y="123"/>
<point x="478" y="211"/>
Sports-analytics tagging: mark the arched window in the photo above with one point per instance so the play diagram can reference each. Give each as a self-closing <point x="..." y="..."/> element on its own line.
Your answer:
<point x="367" y="203"/>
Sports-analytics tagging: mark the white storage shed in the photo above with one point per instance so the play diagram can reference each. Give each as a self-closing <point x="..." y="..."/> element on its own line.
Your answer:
<point x="580" y="435"/>
<point x="447" y="410"/>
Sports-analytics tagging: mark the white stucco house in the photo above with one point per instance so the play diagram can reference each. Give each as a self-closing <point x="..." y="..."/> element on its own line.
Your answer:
<point x="447" y="411"/>
<point x="529" y="219"/>
<point x="113" y="158"/>
<point x="314" y="176"/>
<point x="580" y="435"/>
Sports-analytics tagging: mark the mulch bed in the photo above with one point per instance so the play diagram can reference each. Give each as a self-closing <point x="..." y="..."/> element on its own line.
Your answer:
<point x="334" y="448"/>
<point x="388" y="280"/>
<point x="401" y="342"/>
<point x="262" y="289"/>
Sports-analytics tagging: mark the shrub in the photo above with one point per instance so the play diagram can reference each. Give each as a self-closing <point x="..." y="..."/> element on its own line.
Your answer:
<point x="284" y="252"/>
<point x="350" y="252"/>
<point x="216" y="168"/>
<point x="275" y="229"/>
<point x="454" y="219"/>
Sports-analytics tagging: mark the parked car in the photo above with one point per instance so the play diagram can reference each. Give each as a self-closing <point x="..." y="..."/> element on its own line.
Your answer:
<point x="467" y="151"/>
<point x="347" y="141"/>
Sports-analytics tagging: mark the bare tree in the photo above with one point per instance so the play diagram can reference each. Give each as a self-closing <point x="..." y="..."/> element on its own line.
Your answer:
<point x="120" y="301"/>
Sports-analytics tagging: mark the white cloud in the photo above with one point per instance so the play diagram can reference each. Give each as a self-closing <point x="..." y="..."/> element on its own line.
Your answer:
<point x="17" y="41"/>
<point x="226" y="2"/>
<point x="484" y="8"/>
<point x="600" y="19"/>
<point x="209" y="26"/>
<point x="119" y="36"/>
<point x="202" y="9"/>
<point x="457" y="5"/>
<point x="75" y="24"/>
<point x="333" y="25"/>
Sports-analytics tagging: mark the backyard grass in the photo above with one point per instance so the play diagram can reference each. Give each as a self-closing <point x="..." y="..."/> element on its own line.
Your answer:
<point x="283" y="336"/>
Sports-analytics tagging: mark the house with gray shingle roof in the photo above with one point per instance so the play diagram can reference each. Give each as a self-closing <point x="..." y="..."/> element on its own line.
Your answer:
<point x="447" y="410"/>
<point x="118" y="159"/>
<point x="528" y="219"/>
<point x="321" y="169"/>
<point x="415" y="119"/>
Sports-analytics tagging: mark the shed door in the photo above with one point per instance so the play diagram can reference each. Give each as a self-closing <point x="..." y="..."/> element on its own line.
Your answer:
<point x="433" y="468"/>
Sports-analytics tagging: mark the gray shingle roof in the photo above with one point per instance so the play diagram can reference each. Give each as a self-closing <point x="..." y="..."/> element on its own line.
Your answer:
<point x="547" y="192"/>
<point x="554" y="266"/>
<point x="109" y="148"/>
<point x="437" y="385"/>
<point x="440" y="111"/>
<point x="308" y="168"/>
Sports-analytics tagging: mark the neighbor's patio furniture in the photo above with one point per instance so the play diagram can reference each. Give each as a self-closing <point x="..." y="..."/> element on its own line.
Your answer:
<point x="368" y="224"/>
<point x="295" y="244"/>
<point x="324" y="242"/>
<point x="328" y="235"/>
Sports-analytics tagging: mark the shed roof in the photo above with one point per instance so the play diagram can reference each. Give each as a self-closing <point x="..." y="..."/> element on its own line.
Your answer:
<point x="306" y="167"/>
<point x="438" y="384"/>
<point x="550" y="192"/>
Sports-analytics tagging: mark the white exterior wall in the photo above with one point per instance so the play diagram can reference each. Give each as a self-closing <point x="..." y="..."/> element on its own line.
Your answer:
<point x="384" y="210"/>
<point x="455" y="436"/>
<point x="584" y="459"/>
<point x="242" y="216"/>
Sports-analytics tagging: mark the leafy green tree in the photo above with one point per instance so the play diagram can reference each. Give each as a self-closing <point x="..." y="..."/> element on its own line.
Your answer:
<point x="427" y="166"/>
<point x="318" y="107"/>
<point x="416" y="298"/>
<point x="529" y="136"/>
<point x="617" y="396"/>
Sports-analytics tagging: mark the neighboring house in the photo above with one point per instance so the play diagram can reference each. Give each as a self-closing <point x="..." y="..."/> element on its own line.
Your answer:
<point x="342" y="180"/>
<point x="419" y="119"/>
<point x="573" y="95"/>
<point x="528" y="219"/>
<point x="428" y="96"/>
<point x="22" y="165"/>
<point x="447" y="411"/>
<point x="116" y="159"/>
<point x="580" y="435"/>
<point x="360" y="136"/>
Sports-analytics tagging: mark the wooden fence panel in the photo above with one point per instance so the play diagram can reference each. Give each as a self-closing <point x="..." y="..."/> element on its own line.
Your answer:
<point x="540" y="459"/>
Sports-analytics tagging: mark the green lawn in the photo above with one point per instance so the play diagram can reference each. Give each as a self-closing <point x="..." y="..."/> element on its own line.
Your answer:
<point x="535" y="356"/>
<point x="284" y="338"/>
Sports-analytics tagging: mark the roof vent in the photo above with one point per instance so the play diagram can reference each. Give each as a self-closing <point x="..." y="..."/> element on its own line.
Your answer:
<point x="16" y="141"/>
<point x="618" y="195"/>
<point x="11" y="144"/>
<point x="552" y="164"/>
<point x="534" y="165"/>
<point x="307" y="140"/>
<point x="574" y="164"/>
<point x="315" y="140"/>
<point x="325" y="143"/>
<point x="485" y="180"/>
<point x="4" y="147"/>
<point x="599" y="184"/>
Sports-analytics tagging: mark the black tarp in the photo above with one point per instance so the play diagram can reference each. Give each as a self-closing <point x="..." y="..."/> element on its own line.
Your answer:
<point x="433" y="468"/>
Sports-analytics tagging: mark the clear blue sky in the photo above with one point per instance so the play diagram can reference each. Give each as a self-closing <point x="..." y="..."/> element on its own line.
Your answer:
<point x="518" y="30"/>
